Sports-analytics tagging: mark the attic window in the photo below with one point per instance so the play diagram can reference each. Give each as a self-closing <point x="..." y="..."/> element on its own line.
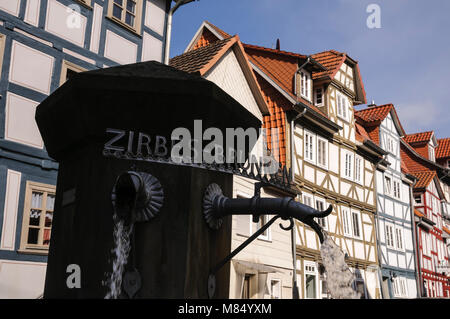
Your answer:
<point x="318" y="96"/>
<point x="305" y="84"/>
<point x="431" y="153"/>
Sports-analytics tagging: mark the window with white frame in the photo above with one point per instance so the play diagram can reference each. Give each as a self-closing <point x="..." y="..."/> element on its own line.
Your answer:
<point x="399" y="287"/>
<point x="399" y="238"/>
<point x="320" y="205"/>
<point x="418" y="199"/>
<point x="342" y="105"/>
<point x="388" y="185"/>
<point x="322" y="152"/>
<point x="431" y="153"/>
<point x="318" y="96"/>
<point x="305" y="84"/>
<point x="359" y="169"/>
<point x="311" y="274"/>
<point x="356" y="224"/>
<point x="263" y="219"/>
<point x="346" y="223"/>
<point x="396" y="189"/>
<point x="390" y="146"/>
<point x="275" y="289"/>
<point x="310" y="141"/>
<point x="348" y="165"/>
<point x="389" y="233"/>
<point x="307" y="200"/>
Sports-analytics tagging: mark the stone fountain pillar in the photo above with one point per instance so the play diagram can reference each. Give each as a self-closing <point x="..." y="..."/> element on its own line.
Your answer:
<point x="107" y="109"/>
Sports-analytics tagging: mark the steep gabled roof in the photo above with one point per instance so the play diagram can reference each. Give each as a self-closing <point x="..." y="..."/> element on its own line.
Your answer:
<point x="374" y="115"/>
<point x="196" y="60"/>
<point x="423" y="178"/>
<point x="206" y="34"/>
<point x="443" y="149"/>
<point x="202" y="60"/>
<point x="332" y="60"/>
<point x="422" y="137"/>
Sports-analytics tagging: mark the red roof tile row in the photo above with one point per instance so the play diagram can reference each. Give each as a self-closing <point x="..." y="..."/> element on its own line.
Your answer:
<point x="418" y="137"/>
<point x="443" y="149"/>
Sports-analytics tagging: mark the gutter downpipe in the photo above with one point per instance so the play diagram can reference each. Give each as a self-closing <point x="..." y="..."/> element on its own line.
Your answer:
<point x="380" y="275"/>
<point x="172" y="10"/>
<point x="295" y="292"/>
<point x="415" y="243"/>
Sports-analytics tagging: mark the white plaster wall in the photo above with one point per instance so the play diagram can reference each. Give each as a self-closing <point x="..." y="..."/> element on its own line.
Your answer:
<point x="152" y="48"/>
<point x="10" y="6"/>
<point x="30" y="68"/>
<point x="65" y="22"/>
<point x="155" y="15"/>
<point x="20" y="125"/>
<point x="7" y="241"/>
<point x="21" y="279"/>
<point x="119" y="49"/>
<point x="32" y="12"/>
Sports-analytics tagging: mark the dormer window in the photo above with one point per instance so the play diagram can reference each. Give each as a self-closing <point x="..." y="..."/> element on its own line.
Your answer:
<point x="305" y="84"/>
<point x="342" y="105"/>
<point x="431" y="153"/>
<point x="318" y="96"/>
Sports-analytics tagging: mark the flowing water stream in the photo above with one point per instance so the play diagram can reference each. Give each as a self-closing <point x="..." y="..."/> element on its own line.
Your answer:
<point x="120" y="254"/>
<point x="339" y="276"/>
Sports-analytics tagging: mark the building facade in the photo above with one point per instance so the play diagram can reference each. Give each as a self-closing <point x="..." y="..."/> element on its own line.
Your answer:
<point x="310" y="107"/>
<point x="418" y="151"/>
<point x="395" y="225"/>
<point x="42" y="44"/>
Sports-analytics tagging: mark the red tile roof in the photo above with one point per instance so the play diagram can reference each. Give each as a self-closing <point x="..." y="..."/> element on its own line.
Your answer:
<point x="361" y="133"/>
<point x="375" y="113"/>
<point x="417" y="213"/>
<point x="423" y="178"/>
<point x="446" y="230"/>
<point x="443" y="149"/>
<point x="418" y="137"/>
<point x="403" y="167"/>
<point x="332" y="60"/>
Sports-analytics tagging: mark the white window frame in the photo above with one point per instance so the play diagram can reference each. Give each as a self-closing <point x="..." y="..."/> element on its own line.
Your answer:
<point x="309" y="151"/>
<point x="346" y="221"/>
<point x="358" y="214"/>
<point x="431" y="153"/>
<point x="348" y="165"/>
<point x="396" y="189"/>
<point x="399" y="240"/>
<point x="321" y="90"/>
<point x="315" y="273"/>
<point x="310" y="198"/>
<point x="305" y="84"/>
<point x="323" y="222"/>
<point x="389" y="235"/>
<point x="359" y="170"/>
<point x="254" y="227"/>
<point x="325" y="156"/>
<point x="342" y="108"/>
<point x="387" y="190"/>
<point x="272" y="295"/>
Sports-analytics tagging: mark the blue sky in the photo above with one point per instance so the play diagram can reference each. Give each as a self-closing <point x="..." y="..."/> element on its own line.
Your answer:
<point x="406" y="62"/>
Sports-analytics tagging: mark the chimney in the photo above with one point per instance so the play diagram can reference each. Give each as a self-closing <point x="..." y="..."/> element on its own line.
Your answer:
<point x="278" y="45"/>
<point x="372" y="104"/>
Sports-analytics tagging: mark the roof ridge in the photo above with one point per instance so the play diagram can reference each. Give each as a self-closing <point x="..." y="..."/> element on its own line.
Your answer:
<point x="258" y="47"/>
<point x="219" y="30"/>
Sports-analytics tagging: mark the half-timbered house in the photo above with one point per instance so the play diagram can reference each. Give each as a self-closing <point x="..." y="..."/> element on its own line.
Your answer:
<point x="310" y="101"/>
<point x="395" y="226"/>
<point x="418" y="152"/>
<point x="264" y="269"/>
<point x="42" y="44"/>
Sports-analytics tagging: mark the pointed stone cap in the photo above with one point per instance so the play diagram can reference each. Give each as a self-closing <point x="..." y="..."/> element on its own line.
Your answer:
<point x="147" y="97"/>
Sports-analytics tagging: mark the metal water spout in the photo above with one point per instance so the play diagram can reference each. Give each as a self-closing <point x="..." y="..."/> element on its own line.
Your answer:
<point x="216" y="206"/>
<point x="136" y="197"/>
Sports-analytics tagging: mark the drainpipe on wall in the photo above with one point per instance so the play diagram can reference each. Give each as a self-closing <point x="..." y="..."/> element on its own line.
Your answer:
<point x="377" y="227"/>
<point x="295" y="292"/>
<point x="172" y="10"/>
<point x="415" y="243"/>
